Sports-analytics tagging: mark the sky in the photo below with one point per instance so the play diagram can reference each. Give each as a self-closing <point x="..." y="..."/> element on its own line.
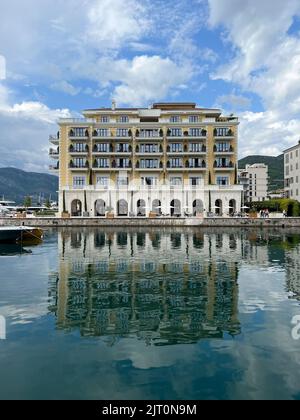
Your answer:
<point x="58" y="57"/>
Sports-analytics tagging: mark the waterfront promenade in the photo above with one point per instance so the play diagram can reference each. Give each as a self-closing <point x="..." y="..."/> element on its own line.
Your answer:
<point x="147" y="222"/>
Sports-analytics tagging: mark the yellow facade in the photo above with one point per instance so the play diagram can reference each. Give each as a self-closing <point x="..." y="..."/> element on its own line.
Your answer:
<point x="167" y="143"/>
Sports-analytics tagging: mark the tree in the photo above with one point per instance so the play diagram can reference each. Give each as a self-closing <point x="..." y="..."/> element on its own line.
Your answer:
<point x="27" y="202"/>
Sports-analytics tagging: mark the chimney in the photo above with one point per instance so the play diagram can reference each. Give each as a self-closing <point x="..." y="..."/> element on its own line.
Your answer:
<point x="114" y="105"/>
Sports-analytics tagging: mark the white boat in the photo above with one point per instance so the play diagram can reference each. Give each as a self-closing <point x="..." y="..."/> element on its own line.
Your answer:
<point x="16" y="234"/>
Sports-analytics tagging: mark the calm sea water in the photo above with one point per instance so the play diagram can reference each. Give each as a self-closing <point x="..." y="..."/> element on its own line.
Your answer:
<point x="151" y="314"/>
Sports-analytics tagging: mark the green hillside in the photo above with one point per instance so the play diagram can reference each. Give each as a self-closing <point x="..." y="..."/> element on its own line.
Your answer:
<point x="276" y="168"/>
<point x="16" y="184"/>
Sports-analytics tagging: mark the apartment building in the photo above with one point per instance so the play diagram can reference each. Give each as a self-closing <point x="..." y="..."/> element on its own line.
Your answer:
<point x="255" y="181"/>
<point x="292" y="172"/>
<point x="170" y="159"/>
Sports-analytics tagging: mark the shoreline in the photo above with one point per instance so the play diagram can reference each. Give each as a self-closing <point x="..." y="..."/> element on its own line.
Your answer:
<point x="159" y="222"/>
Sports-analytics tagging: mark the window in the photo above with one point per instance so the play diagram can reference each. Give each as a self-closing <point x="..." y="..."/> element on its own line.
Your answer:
<point x="223" y="147"/>
<point x="196" y="132"/>
<point x="102" y="181"/>
<point x="122" y="133"/>
<point x="223" y="163"/>
<point x="176" y="148"/>
<point x="196" y="148"/>
<point x="287" y="159"/>
<point x="79" y="181"/>
<point x="287" y="170"/>
<point x="196" y="163"/>
<point x="102" y="148"/>
<point x="124" y="119"/>
<point x="101" y="132"/>
<point x="175" y="181"/>
<point x="149" y="133"/>
<point x="79" y="132"/>
<point x="80" y="148"/>
<point x="149" y="181"/>
<point x="122" y="181"/>
<point x="195" y="181"/>
<point x="176" y="132"/>
<point x="176" y="163"/>
<point x="105" y="120"/>
<point x="79" y="163"/>
<point x="123" y="163"/>
<point x="223" y="180"/>
<point x="123" y="148"/>
<point x="193" y="119"/>
<point x="149" y="148"/>
<point x="149" y="164"/>
<point x="175" y="119"/>
<point x="102" y="163"/>
<point x="223" y="132"/>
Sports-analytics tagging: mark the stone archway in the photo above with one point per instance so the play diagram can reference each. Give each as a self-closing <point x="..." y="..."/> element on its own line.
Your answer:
<point x="198" y="207"/>
<point x="122" y="208"/>
<point x="76" y="208"/>
<point x="141" y="208"/>
<point x="219" y="208"/>
<point x="156" y="207"/>
<point x="175" y="208"/>
<point x="100" y="208"/>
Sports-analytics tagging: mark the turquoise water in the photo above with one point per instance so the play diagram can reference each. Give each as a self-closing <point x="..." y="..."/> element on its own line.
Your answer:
<point x="151" y="314"/>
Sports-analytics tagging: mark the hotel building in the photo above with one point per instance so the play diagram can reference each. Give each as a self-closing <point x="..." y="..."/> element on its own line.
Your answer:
<point x="255" y="180"/>
<point x="292" y="172"/>
<point x="173" y="159"/>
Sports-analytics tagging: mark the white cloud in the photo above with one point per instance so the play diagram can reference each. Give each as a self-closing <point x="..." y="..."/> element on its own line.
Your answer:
<point x="25" y="129"/>
<point x="142" y="79"/>
<point x="2" y="68"/>
<point x="267" y="62"/>
<point x="148" y="78"/>
<point x="266" y="133"/>
<point x="115" y="22"/>
<point x="66" y="87"/>
<point x="233" y="102"/>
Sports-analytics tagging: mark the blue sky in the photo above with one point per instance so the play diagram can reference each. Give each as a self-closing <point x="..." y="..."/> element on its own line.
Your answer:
<point x="64" y="56"/>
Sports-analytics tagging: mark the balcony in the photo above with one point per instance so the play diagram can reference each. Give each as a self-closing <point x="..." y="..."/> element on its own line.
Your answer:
<point x="156" y="151"/>
<point x="156" y="168"/>
<point x="54" y="168"/>
<point x="202" y="134"/>
<point x="221" y="167"/>
<point x="77" y="121"/>
<point x="148" y="136"/>
<point x="54" y="139"/>
<point x="78" y="167"/>
<point x="54" y="153"/>
<point x="228" y="136"/>
<point x="76" y="152"/>
<point x="73" y="135"/>
<point x="225" y="152"/>
<point x="122" y="151"/>
<point x="101" y="136"/>
<point x="97" y="151"/>
<point x="198" y="165"/>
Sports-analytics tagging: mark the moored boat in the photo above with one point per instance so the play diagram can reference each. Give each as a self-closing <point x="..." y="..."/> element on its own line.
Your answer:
<point x="16" y="234"/>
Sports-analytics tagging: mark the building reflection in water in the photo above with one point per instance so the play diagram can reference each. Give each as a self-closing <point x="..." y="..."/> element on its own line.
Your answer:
<point x="164" y="287"/>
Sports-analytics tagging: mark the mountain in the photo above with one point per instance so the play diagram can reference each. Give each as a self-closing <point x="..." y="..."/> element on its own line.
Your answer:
<point x="15" y="185"/>
<point x="276" y="168"/>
